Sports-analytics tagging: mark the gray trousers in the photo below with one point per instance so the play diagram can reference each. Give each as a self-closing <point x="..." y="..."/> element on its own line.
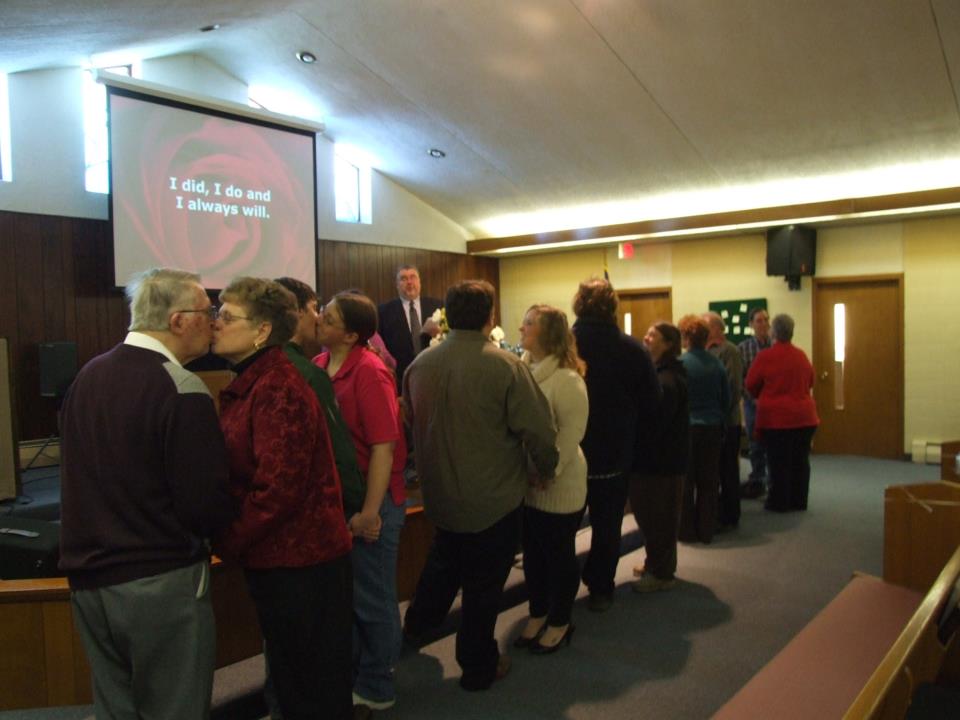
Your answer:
<point x="151" y="645"/>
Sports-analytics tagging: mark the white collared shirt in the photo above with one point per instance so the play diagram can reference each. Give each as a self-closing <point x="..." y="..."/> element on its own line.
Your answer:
<point x="140" y="340"/>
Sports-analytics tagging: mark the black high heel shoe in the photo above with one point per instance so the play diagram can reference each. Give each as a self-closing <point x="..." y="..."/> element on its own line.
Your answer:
<point x="525" y="642"/>
<point x="537" y="649"/>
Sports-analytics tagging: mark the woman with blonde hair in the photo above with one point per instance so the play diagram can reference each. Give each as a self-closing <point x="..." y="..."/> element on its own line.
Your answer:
<point x="554" y="507"/>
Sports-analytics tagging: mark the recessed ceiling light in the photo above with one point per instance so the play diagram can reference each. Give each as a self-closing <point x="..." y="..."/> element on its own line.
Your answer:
<point x="305" y="56"/>
<point x="210" y="28"/>
<point x="436" y="153"/>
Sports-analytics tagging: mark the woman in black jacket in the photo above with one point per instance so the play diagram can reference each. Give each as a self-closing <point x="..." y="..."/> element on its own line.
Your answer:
<point x="623" y="391"/>
<point x="661" y="463"/>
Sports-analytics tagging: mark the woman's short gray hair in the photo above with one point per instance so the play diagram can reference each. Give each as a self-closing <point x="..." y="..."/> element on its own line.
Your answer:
<point x="156" y="293"/>
<point x="782" y="328"/>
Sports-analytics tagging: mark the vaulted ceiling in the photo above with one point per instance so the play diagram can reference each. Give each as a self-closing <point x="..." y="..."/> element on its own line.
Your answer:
<point x="634" y="108"/>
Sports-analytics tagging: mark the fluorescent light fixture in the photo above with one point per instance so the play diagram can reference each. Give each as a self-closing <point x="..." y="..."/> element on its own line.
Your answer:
<point x="701" y="232"/>
<point x="6" y="169"/>
<point x="724" y="229"/>
<point x="887" y="180"/>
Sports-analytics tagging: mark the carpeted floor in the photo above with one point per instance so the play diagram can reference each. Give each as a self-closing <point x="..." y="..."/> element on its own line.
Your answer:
<point x="676" y="654"/>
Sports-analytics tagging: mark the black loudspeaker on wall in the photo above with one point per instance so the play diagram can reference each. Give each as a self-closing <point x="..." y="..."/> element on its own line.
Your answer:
<point x="58" y="367"/>
<point x="792" y="252"/>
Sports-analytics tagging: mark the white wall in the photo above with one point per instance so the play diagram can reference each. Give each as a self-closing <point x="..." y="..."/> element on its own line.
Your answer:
<point x="46" y="128"/>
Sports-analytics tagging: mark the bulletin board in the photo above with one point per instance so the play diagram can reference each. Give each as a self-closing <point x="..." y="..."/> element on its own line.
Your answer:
<point x="735" y="314"/>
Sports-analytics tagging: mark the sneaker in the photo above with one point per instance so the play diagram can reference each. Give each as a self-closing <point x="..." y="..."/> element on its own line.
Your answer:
<point x="373" y="704"/>
<point x="651" y="583"/>
<point x="600" y="602"/>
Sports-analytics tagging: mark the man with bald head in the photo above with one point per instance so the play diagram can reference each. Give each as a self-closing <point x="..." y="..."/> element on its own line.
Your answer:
<point x="729" y="355"/>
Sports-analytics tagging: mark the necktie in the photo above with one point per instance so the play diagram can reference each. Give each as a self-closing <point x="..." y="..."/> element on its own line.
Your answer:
<point x="415" y="327"/>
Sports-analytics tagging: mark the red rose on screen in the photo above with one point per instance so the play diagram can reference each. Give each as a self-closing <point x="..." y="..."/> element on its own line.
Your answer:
<point x="216" y="238"/>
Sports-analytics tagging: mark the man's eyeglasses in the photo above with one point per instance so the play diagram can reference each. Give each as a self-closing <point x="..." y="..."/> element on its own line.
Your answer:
<point x="211" y="311"/>
<point x="216" y="313"/>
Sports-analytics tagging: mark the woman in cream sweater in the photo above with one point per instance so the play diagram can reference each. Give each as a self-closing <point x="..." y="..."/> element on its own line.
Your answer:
<point x="554" y="507"/>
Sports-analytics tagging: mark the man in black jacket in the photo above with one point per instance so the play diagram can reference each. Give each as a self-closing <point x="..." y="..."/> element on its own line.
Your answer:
<point x="405" y="324"/>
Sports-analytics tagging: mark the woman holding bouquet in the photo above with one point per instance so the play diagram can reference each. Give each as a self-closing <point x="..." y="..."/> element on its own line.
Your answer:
<point x="367" y="396"/>
<point x="554" y="507"/>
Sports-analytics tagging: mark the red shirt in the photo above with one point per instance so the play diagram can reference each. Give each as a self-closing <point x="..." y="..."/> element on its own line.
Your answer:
<point x="367" y="395"/>
<point x="282" y="473"/>
<point x="781" y="378"/>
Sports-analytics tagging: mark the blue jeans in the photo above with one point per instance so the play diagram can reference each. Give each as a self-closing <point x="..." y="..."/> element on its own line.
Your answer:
<point x="376" y="614"/>
<point x="758" y="453"/>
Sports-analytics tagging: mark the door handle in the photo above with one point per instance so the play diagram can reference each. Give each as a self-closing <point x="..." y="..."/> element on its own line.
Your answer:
<point x="824" y="375"/>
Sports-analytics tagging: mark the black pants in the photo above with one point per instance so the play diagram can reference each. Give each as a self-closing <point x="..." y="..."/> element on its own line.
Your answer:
<point x="730" y="476"/>
<point x="306" y="616"/>
<point x="698" y="514"/>
<point x="606" y="498"/>
<point x="788" y="464"/>
<point x="479" y="563"/>
<point x="655" y="501"/>
<point x="550" y="563"/>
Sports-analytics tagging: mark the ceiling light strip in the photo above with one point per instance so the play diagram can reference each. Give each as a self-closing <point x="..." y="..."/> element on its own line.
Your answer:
<point x="929" y="201"/>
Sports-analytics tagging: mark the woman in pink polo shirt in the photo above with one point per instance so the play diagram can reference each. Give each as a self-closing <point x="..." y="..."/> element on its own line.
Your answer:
<point x="367" y="395"/>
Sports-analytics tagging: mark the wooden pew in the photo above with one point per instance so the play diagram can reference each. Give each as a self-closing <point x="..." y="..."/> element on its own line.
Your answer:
<point x="921" y="530"/>
<point x="917" y="656"/>
<point x="861" y="657"/>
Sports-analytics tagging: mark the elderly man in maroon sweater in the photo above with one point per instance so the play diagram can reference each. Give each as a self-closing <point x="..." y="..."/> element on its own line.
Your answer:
<point x="143" y="486"/>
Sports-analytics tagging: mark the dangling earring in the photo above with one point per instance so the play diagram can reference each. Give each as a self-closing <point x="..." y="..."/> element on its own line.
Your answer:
<point x="257" y="345"/>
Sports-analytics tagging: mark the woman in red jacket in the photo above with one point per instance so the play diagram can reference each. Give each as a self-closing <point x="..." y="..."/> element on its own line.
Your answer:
<point x="781" y="380"/>
<point x="290" y="535"/>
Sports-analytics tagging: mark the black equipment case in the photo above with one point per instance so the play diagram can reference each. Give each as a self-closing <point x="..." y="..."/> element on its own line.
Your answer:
<point x="28" y="548"/>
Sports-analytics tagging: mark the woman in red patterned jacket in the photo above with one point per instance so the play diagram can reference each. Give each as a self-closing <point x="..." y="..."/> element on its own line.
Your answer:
<point x="290" y="535"/>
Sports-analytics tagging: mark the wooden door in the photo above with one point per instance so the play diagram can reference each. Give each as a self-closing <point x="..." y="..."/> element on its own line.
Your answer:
<point x="645" y="308"/>
<point x="859" y="400"/>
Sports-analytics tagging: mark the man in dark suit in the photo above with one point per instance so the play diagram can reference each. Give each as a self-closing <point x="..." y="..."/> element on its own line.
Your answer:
<point x="405" y="324"/>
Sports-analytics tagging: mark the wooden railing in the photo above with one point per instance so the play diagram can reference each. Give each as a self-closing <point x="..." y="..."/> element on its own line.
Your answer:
<point x="42" y="662"/>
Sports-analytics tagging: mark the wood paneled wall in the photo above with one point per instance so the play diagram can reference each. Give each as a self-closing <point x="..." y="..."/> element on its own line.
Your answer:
<point x="57" y="284"/>
<point x="372" y="269"/>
